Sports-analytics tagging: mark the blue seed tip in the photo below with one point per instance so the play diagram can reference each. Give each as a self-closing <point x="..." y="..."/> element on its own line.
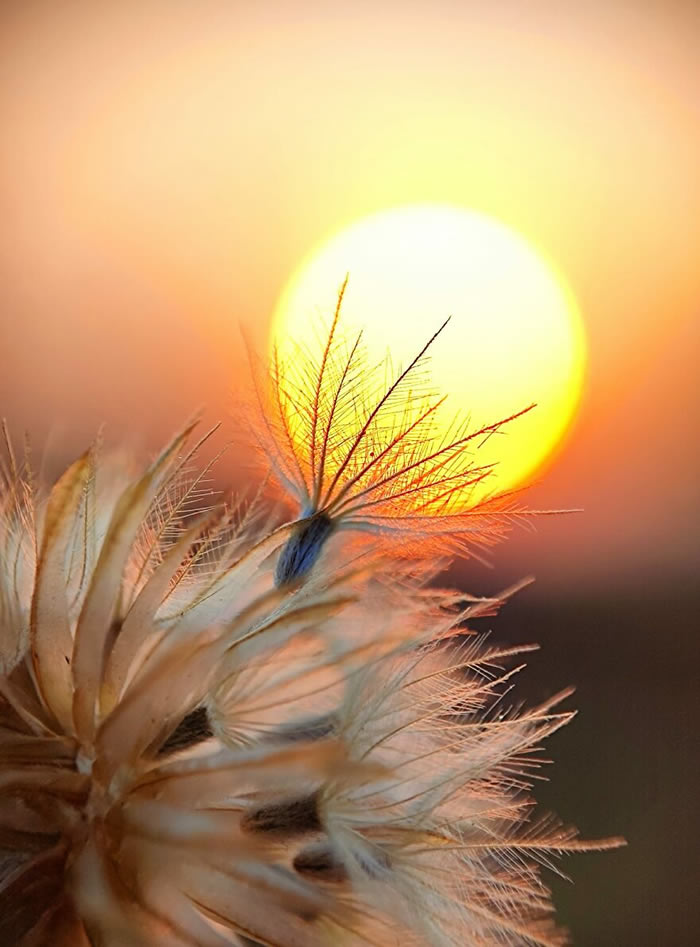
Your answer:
<point x="302" y="549"/>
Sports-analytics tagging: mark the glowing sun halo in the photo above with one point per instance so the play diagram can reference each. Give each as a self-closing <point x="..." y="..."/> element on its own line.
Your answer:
<point x="515" y="335"/>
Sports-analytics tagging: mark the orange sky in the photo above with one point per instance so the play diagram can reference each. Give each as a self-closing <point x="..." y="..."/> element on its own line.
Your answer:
<point x="165" y="166"/>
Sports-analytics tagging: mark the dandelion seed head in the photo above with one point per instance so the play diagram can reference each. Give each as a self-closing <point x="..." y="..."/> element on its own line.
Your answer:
<point x="215" y="730"/>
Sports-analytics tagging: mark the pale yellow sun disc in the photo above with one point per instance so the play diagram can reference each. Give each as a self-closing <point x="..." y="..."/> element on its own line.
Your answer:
<point x="515" y="335"/>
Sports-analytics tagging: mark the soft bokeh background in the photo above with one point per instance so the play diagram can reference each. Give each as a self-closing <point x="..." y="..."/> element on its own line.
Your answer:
<point x="165" y="166"/>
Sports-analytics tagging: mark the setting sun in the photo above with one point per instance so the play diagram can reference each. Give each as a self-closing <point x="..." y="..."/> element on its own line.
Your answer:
<point x="515" y="336"/>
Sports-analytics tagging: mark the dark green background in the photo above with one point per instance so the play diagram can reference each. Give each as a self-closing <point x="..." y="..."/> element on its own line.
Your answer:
<point x="628" y="764"/>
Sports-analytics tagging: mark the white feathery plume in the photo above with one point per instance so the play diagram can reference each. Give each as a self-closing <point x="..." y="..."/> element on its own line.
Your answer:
<point x="359" y="448"/>
<point x="215" y="731"/>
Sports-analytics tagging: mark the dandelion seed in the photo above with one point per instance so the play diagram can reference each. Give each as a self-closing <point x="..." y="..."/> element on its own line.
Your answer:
<point x="358" y="452"/>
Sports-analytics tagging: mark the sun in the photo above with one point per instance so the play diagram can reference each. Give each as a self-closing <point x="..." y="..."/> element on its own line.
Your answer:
<point x="515" y="336"/>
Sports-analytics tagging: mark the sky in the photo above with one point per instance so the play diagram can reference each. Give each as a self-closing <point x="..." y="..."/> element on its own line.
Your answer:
<point x="166" y="166"/>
